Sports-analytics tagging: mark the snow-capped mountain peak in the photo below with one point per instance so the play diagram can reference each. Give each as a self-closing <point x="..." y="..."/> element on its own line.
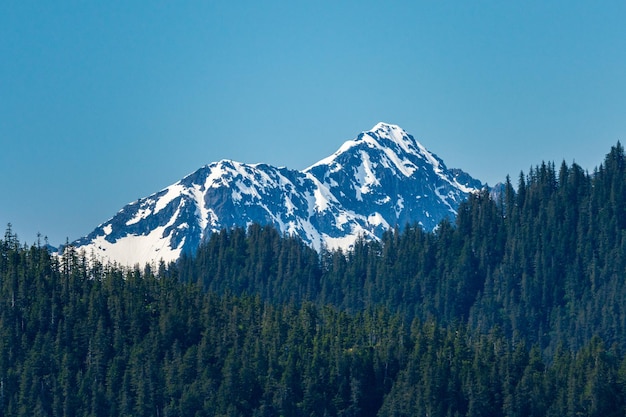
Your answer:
<point x="396" y="134"/>
<point x="381" y="136"/>
<point x="381" y="179"/>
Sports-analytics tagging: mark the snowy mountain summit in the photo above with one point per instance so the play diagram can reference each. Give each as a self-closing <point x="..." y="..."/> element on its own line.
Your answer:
<point x="382" y="179"/>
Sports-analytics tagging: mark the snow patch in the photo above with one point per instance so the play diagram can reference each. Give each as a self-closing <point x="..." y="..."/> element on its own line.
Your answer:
<point x="173" y="192"/>
<point x="140" y="215"/>
<point x="133" y="249"/>
<point x="376" y="219"/>
<point x="365" y="175"/>
<point x="443" y="200"/>
<point x="322" y="197"/>
<point x="400" y="205"/>
<point x="202" y="213"/>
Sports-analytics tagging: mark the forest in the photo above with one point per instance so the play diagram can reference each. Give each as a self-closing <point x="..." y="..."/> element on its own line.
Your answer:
<point x="517" y="308"/>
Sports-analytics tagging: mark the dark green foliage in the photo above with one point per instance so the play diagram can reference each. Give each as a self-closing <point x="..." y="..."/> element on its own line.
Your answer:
<point x="92" y="340"/>
<point x="516" y="309"/>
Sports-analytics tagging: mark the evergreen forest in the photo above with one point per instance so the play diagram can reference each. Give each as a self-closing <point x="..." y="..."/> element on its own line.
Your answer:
<point x="517" y="308"/>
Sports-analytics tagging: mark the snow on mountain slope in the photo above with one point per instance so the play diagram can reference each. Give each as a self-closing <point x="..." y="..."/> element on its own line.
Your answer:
<point x="382" y="179"/>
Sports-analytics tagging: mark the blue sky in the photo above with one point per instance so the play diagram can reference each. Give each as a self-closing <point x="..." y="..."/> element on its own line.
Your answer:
<point x="105" y="102"/>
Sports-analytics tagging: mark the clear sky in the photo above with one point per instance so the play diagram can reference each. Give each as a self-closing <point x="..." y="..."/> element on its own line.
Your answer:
<point x="105" y="102"/>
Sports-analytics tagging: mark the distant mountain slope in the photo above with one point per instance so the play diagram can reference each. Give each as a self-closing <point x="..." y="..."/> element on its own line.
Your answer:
<point x="381" y="179"/>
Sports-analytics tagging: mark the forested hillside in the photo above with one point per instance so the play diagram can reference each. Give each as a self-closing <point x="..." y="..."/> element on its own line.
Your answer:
<point x="545" y="263"/>
<point x="516" y="309"/>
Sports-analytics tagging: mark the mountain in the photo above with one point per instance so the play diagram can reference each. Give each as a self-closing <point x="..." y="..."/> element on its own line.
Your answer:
<point x="381" y="179"/>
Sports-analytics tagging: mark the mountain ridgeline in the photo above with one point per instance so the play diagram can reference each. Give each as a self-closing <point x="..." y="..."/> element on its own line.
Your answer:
<point x="515" y="308"/>
<point x="382" y="179"/>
